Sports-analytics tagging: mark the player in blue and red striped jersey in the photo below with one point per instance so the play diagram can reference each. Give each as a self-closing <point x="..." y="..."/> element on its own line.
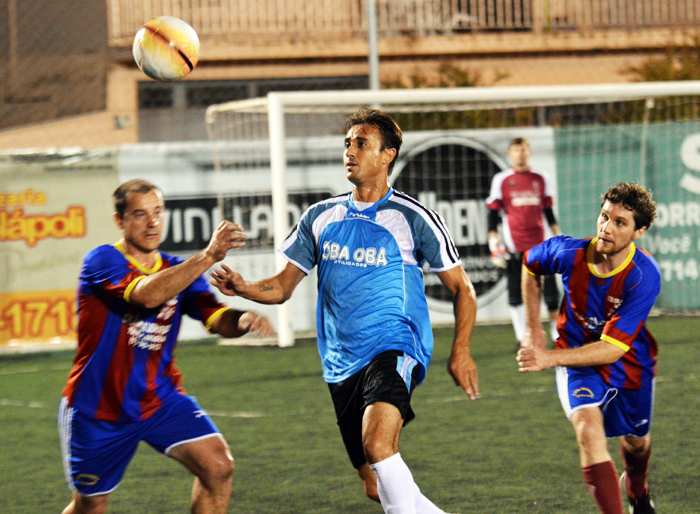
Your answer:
<point x="605" y="357"/>
<point x="124" y="387"/>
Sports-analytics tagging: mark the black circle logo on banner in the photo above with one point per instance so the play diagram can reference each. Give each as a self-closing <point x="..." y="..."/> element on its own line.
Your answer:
<point x="452" y="176"/>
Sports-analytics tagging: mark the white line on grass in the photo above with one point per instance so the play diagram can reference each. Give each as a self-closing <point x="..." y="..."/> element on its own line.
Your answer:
<point x="222" y="414"/>
<point x="16" y="403"/>
<point x="4" y="402"/>
<point x="490" y="395"/>
<point x="539" y="390"/>
<point x="33" y="370"/>
<point x="38" y="405"/>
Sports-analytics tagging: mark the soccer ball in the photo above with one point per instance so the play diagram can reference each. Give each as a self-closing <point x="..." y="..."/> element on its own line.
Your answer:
<point x="166" y="48"/>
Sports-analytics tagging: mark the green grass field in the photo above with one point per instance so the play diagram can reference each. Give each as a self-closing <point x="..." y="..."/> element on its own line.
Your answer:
<point x="512" y="451"/>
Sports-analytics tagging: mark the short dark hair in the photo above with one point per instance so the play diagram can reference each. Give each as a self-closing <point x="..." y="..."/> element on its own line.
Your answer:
<point x="635" y="198"/>
<point x="120" y="197"/>
<point x="392" y="136"/>
<point x="517" y="141"/>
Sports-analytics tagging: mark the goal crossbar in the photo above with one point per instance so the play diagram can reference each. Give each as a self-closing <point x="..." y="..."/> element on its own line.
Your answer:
<point x="478" y="95"/>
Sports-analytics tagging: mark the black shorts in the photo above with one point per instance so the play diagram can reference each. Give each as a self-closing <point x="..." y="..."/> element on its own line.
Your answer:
<point x="379" y="381"/>
<point x="514" y="274"/>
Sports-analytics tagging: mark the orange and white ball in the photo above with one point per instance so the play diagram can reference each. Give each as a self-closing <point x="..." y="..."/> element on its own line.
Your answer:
<point x="166" y="48"/>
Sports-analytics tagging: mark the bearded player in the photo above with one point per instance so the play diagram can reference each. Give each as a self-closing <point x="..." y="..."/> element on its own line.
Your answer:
<point x="605" y="357"/>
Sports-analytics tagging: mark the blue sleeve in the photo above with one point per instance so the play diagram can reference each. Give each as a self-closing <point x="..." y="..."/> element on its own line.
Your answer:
<point x="434" y="243"/>
<point x="198" y="300"/>
<point x="543" y="259"/>
<point x="638" y="300"/>
<point x="103" y="272"/>
<point x="300" y="247"/>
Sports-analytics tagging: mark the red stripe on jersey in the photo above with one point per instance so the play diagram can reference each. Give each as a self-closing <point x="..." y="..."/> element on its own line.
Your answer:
<point x="120" y="287"/>
<point x="118" y="372"/>
<point x="207" y="304"/>
<point x="613" y="299"/>
<point x="150" y="401"/>
<point x="93" y="313"/>
<point x="535" y="267"/>
<point x="578" y="295"/>
<point x="175" y="376"/>
<point x="630" y="362"/>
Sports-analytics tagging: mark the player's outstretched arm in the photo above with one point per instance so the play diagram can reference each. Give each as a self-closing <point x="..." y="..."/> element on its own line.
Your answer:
<point x="461" y="365"/>
<point x="592" y="354"/>
<point x="156" y="289"/>
<point x="235" y="323"/>
<point x="531" y="293"/>
<point x="273" y="290"/>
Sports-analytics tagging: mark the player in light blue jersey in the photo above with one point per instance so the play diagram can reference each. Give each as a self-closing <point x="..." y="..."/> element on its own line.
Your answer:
<point x="374" y="333"/>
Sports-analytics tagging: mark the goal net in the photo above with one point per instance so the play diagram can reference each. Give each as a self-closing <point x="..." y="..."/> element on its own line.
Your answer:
<point x="285" y="152"/>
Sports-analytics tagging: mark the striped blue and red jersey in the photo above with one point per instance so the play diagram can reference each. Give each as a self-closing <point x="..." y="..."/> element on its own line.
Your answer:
<point x="124" y="366"/>
<point x="612" y="307"/>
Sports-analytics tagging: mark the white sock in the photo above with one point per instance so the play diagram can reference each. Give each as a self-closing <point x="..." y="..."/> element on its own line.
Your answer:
<point x="395" y="485"/>
<point x="517" y="314"/>
<point x="553" y="332"/>
<point x="424" y="505"/>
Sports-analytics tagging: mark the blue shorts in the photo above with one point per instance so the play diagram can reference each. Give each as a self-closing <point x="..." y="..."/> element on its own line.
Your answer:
<point x="626" y="412"/>
<point x="96" y="452"/>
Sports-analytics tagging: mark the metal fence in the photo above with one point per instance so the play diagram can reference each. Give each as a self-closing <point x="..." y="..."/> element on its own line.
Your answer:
<point x="320" y="18"/>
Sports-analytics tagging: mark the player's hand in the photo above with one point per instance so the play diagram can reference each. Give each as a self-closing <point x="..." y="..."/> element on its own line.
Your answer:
<point x="227" y="281"/>
<point x="535" y="337"/>
<point x="499" y="253"/>
<point x="226" y="236"/>
<point x="254" y="323"/>
<point x="463" y="370"/>
<point x="533" y="359"/>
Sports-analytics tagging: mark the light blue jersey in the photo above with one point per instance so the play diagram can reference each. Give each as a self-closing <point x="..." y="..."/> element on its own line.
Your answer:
<point x="371" y="296"/>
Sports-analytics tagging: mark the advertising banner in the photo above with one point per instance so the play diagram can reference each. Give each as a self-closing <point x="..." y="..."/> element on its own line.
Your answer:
<point x="54" y="207"/>
<point x="665" y="158"/>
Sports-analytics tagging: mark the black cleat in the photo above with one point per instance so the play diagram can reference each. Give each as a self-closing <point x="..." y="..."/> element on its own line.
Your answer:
<point x="641" y="505"/>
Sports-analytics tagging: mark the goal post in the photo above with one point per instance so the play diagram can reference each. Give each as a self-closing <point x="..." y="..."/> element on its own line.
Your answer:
<point x="585" y="136"/>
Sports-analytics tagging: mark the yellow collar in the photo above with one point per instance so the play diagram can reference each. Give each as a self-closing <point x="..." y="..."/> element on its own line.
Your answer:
<point x="591" y="267"/>
<point x="143" y="269"/>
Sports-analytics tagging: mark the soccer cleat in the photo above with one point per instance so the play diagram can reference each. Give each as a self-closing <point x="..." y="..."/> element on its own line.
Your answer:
<point x="641" y="505"/>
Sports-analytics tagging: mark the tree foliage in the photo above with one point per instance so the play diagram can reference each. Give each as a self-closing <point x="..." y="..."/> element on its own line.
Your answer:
<point x="681" y="62"/>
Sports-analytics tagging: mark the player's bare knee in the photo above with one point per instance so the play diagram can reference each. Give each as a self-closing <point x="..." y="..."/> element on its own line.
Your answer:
<point x="376" y="450"/>
<point x="218" y="471"/>
<point x="636" y="445"/>
<point x="586" y="434"/>
<point x="224" y="468"/>
<point x="88" y="504"/>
